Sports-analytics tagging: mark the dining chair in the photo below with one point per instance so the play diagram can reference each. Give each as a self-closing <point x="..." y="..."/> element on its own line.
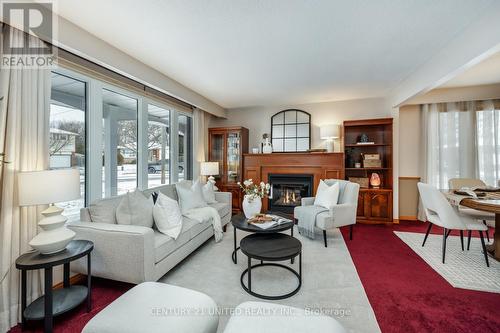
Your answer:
<point x="440" y="212"/>
<point x="487" y="218"/>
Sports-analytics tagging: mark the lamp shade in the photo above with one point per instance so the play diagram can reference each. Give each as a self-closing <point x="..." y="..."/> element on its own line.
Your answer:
<point x="48" y="186"/>
<point x="209" y="168"/>
<point x="329" y="131"/>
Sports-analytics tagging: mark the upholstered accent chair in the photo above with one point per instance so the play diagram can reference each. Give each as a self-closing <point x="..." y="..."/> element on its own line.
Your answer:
<point x="342" y="214"/>
<point x="487" y="218"/>
<point x="440" y="212"/>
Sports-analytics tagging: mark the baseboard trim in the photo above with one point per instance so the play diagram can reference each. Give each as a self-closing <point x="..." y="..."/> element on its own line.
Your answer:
<point x="408" y="218"/>
<point x="75" y="279"/>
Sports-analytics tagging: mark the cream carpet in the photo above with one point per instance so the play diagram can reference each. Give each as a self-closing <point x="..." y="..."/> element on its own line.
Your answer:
<point x="462" y="269"/>
<point x="330" y="283"/>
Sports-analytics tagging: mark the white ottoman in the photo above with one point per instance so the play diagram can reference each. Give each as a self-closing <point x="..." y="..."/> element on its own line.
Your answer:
<point x="157" y="307"/>
<point x="260" y="317"/>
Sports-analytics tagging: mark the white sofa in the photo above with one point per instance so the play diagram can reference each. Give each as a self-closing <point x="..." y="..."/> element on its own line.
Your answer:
<point x="137" y="254"/>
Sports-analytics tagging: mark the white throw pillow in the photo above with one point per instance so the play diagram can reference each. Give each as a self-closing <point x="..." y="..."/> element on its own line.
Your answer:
<point x="327" y="196"/>
<point x="190" y="196"/>
<point x="167" y="215"/>
<point x="209" y="193"/>
<point x="135" y="209"/>
<point x="104" y="210"/>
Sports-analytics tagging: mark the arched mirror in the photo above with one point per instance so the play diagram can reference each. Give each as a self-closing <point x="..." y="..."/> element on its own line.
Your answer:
<point x="291" y="131"/>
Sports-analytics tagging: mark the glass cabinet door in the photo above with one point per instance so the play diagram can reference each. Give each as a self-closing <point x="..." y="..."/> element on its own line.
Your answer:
<point x="217" y="151"/>
<point x="233" y="157"/>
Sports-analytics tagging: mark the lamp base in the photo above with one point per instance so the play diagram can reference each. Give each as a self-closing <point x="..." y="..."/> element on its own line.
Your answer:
<point x="54" y="236"/>
<point x="211" y="179"/>
<point x="330" y="146"/>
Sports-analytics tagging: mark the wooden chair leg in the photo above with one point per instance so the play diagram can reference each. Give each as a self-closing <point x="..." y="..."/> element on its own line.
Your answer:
<point x="324" y="237"/>
<point x="484" y="249"/>
<point x="469" y="234"/>
<point x="444" y="243"/>
<point x="351" y="227"/>
<point x="427" y="234"/>
<point x="462" y="239"/>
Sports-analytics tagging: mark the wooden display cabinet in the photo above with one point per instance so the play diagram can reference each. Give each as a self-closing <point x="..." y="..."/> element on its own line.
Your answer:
<point x="227" y="145"/>
<point x="375" y="205"/>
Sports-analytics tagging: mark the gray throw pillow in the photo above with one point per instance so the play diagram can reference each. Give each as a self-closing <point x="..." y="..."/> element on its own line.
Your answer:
<point x="104" y="210"/>
<point x="135" y="209"/>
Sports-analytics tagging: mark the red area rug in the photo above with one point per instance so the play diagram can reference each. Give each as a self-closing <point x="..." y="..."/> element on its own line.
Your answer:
<point x="406" y="294"/>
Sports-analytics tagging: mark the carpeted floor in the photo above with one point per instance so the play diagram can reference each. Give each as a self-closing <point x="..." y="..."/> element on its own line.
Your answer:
<point x="407" y="295"/>
<point x="404" y="292"/>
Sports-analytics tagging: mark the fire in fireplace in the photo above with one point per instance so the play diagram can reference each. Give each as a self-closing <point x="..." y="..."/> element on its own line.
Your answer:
<point x="287" y="190"/>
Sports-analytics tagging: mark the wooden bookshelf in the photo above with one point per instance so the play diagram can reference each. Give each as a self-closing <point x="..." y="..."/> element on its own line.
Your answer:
<point x="374" y="204"/>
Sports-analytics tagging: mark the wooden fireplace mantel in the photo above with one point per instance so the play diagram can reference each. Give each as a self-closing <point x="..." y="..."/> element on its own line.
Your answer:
<point x="258" y="167"/>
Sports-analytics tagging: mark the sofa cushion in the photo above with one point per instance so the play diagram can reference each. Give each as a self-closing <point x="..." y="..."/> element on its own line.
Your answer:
<point x="167" y="216"/>
<point x="190" y="196"/>
<point x="135" y="209"/>
<point x="168" y="190"/>
<point x="104" y="210"/>
<point x="209" y="193"/>
<point x="222" y="207"/>
<point x="165" y="245"/>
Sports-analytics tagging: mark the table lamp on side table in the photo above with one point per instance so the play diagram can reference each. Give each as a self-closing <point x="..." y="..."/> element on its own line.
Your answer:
<point x="49" y="187"/>
<point x="210" y="169"/>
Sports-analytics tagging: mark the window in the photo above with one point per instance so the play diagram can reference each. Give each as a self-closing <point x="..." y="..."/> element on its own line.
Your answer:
<point x="185" y="148"/>
<point x="158" y="146"/>
<point x="67" y="133"/>
<point x="290" y="131"/>
<point x="119" y="119"/>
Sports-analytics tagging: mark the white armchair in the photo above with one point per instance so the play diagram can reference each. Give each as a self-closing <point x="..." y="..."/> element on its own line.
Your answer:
<point x="342" y="214"/>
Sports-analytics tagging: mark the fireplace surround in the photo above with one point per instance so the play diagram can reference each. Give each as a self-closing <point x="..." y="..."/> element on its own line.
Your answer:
<point x="287" y="190"/>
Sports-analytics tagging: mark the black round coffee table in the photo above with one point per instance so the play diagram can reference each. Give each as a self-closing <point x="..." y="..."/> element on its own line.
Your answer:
<point x="270" y="247"/>
<point x="59" y="301"/>
<point x="239" y="221"/>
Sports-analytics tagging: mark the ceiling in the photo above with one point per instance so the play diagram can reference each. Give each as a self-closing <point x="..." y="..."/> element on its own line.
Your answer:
<point x="244" y="53"/>
<point x="486" y="72"/>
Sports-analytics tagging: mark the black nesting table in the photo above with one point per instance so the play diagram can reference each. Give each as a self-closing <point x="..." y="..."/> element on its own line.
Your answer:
<point x="270" y="247"/>
<point x="59" y="301"/>
<point x="239" y="221"/>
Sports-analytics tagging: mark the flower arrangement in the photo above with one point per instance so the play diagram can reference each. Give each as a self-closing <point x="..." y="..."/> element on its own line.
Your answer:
<point x="253" y="191"/>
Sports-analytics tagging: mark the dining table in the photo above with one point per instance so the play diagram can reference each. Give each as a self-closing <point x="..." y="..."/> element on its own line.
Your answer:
<point x="489" y="202"/>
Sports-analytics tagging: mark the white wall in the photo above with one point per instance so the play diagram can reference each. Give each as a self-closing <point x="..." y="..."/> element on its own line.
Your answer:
<point x="409" y="141"/>
<point x="258" y="119"/>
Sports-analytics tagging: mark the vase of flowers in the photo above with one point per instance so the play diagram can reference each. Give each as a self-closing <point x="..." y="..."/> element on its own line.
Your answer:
<point x="254" y="193"/>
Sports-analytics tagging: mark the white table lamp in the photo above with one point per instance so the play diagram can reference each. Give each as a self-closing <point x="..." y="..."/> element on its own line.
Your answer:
<point x="329" y="133"/>
<point x="210" y="169"/>
<point x="48" y="187"/>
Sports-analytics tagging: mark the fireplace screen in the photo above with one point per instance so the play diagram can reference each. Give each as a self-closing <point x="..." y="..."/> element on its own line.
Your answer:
<point x="288" y="190"/>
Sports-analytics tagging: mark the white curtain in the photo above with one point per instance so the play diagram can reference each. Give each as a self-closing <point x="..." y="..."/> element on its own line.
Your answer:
<point x="200" y="139"/>
<point x="24" y="136"/>
<point x="460" y="140"/>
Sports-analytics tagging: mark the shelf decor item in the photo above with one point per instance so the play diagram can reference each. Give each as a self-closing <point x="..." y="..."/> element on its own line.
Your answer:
<point x="48" y="187"/>
<point x="375" y="180"/>
<point x="267" y="147"/>
<point x="362" y="181"/>
<point x="329" y="133"/>
<point x="254" y="193"/>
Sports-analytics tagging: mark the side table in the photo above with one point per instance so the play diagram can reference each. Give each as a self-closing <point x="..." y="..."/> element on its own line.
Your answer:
<point x="59" y="301"/>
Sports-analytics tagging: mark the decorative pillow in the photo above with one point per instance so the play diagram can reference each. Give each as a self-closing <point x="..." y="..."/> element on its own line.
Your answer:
<point x="104" y="210"/>
<point x="327" y="196"/>
<point x="209" y="193"/>
<point x="167" y="215"/>
<point x="190" y="196"/>
<point x="135" y="209"/>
